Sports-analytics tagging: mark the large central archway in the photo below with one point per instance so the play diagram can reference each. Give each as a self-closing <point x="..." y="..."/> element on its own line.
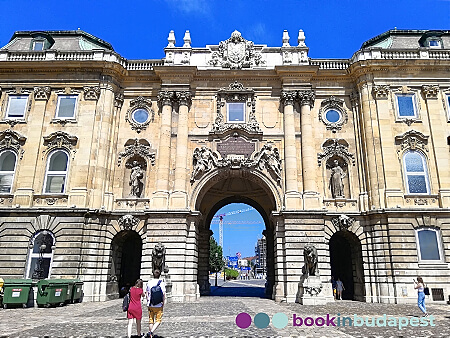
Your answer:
<point x="235" y="186"/>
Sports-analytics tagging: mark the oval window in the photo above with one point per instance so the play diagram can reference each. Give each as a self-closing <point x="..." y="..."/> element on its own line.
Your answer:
<point x="140" y="115"/>
<point x="333" y="116"/>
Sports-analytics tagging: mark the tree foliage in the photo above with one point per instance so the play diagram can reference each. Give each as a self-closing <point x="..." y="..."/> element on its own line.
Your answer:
<point x="215" y="256"/>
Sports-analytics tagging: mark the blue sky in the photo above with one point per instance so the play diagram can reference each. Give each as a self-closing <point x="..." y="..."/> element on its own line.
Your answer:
<point x="139" y="29"/>
<point x="240" y="231"/>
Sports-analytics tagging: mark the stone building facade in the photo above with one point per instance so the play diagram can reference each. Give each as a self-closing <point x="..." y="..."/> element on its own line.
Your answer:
<point x="101" y="158"/>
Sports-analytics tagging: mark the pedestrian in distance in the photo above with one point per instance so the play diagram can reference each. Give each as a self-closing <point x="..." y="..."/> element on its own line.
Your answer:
<point x="333" y="286"/>
<point x="339" y="288"/>
<point x="134" y="312"/>
<point x="420" y="286"/>
<point x="156" y="296"/>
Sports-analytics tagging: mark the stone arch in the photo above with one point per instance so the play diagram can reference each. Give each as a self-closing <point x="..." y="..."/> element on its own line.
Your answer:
<point x="221" y="187"/>
<point x="347" y="243"/>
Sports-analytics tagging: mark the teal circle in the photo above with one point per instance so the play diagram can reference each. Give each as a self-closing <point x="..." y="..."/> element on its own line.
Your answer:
<point x="280" y="320"/>
<point x="262" y="320"/>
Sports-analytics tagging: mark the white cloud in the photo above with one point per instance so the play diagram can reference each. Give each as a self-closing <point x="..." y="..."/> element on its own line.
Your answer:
<point x="190" y="6"/>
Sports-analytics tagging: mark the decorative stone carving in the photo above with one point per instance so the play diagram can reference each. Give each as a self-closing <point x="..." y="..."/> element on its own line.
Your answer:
<point x="205" y="160"/>
<point x="236" y="92"/>
<point x="60" y="139"/>
<point x="91" y="92"/>
<point x="166" y="98"/>
<point x="430" y="92"/>
<point x="313" y="290"/>
<point x="128" y="222"/>
<point x="159" y="258"/>
<point x="139" y="148"/>
<point x="140" y="103"/>
<point x="136" y="176"/>
<point x="288" y="98"/>
<point x="337" y="105"/>
<point x="411" y="140"/>
<point x="42" y="93"/>
<point x="236" y="52"/>
<point x="184" y="98"/>
<point x="311" y="260"/>
<point x="335" y="147"/>
<point x="343" y="222"/>
<point x="381" y="92"/>
<point x="269" y="158"/>
<point x="9" y="139"/>
<point x="306" y="97"/>
<point x="287" y="57"/>
<point x="118" y="100"/>
<point x="336" y="180"/>
<point x="354" y="99"/>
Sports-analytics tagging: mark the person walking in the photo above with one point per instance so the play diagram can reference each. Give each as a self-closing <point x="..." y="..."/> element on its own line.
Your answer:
<point x="134" y="312"/>
<point x="420" y="285"/>
<point x="333" y="286"/>
<point x="156" y="296"/>
<point x="339" y="288"/>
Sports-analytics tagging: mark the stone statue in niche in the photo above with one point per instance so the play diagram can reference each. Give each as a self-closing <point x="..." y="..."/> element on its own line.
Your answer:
<point x="136" y="176"/>
<point x="337" y="180"/>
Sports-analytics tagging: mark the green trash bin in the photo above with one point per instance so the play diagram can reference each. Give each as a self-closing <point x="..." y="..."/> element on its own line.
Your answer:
<point x="77" y="292"/>
<point x="70" y="284"/>
<point x="16" y="291"/>
<point x="51" y="292"/>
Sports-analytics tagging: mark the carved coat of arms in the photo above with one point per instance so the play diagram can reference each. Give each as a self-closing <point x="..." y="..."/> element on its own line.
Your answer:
<point x="236" y="52"/>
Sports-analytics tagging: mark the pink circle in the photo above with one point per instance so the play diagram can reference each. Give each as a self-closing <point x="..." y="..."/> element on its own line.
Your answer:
<point x="243" y="320"/>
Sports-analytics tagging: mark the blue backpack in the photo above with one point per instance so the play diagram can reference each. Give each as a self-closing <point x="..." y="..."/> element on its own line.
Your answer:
<point x="126" y="302"/>
<point x="156" y="294"/>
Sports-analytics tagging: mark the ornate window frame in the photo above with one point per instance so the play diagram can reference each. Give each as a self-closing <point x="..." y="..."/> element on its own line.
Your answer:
<point x="66" y="92"/>
<point x="140" y="103"/>
<point x="60" y="140"/>
<point x="6" y="104"/>
<point x="333" y="103"/>
<point x="59" y="173"/>
<point x="438" y="234"/>
<point x="10" y="139"/>
<point x="236" y="93"/>
<point x="406" y="91"/>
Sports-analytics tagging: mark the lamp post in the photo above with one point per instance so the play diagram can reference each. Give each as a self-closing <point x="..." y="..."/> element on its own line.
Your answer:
<point x="39" y="270"/>
<point x="214" y="269"/>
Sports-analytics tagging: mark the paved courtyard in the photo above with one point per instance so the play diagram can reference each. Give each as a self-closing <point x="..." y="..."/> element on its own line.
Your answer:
<point x="215" y="316"/>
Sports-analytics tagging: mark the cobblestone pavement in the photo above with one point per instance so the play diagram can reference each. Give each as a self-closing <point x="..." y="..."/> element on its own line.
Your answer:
<point x="214" y="317"/>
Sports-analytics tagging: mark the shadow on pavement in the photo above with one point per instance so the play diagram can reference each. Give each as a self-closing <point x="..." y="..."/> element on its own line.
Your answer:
<point x="247" y="291"/>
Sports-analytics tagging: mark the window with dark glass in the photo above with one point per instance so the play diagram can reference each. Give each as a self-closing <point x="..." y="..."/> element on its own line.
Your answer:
<point x="428" y="245"/>
<point x="16" y="106"/>
<point x="416" y="173"/>
<point x="40" y="255"/>
<point x="406" y="105"/>
<point x="236" y="112"/>
<point x="56" y="175"/>
<point x="7" y="169"/>
<point x="66" y="106"/>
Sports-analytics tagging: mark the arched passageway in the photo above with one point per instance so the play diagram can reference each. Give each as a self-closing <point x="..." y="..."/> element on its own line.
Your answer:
<point x="237" y="187"/>
<point x="347" y="264"/>
<point x="126" y="258"/>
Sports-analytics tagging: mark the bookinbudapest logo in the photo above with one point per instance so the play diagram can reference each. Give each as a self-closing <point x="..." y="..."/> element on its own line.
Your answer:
<point x="281" y="320"/>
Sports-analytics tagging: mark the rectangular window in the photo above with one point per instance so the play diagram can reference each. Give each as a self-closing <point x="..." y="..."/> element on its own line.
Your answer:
<point x="435" y="43"/>
<point x="236" y="112"/>
<point x="66" y="107"/>
<point x="406" y="105"/>
<point x="38" y="45"/>
<point x="6" y="181"/>
<point x="429" y="245"/>
<point x="16" y="107"/>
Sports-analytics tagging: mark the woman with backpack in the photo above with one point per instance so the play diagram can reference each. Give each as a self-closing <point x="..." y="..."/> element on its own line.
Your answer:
<point x="134" y="311"/>
<point x="420" y="286"/>
<point x="156" y="295"/>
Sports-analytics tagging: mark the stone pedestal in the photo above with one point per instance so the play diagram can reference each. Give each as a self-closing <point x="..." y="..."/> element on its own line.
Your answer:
<point x="167" y="280"/>
<point x="311" y="291"/>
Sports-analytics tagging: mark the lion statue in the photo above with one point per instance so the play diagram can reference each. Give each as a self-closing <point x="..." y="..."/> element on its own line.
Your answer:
<point x="159" y="258"/>
<point x="311" y="259"/>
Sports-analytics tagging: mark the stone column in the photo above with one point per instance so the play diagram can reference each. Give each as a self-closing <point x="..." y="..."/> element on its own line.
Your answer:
<point x="161" y="195"/>
<point x="292" y="200"/>
<point x="309" y="155"/>
<point x="179" y="197"/>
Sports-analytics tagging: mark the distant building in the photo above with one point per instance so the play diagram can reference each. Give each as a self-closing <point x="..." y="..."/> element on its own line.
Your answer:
<point x="261" y="254"/>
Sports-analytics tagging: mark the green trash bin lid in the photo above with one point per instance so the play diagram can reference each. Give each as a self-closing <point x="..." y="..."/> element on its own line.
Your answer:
<point x="21" y="282"/>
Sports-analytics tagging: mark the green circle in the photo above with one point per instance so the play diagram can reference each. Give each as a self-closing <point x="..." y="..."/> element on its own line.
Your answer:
<point x="280" y="320"/>
<point x="262" y="320"/>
